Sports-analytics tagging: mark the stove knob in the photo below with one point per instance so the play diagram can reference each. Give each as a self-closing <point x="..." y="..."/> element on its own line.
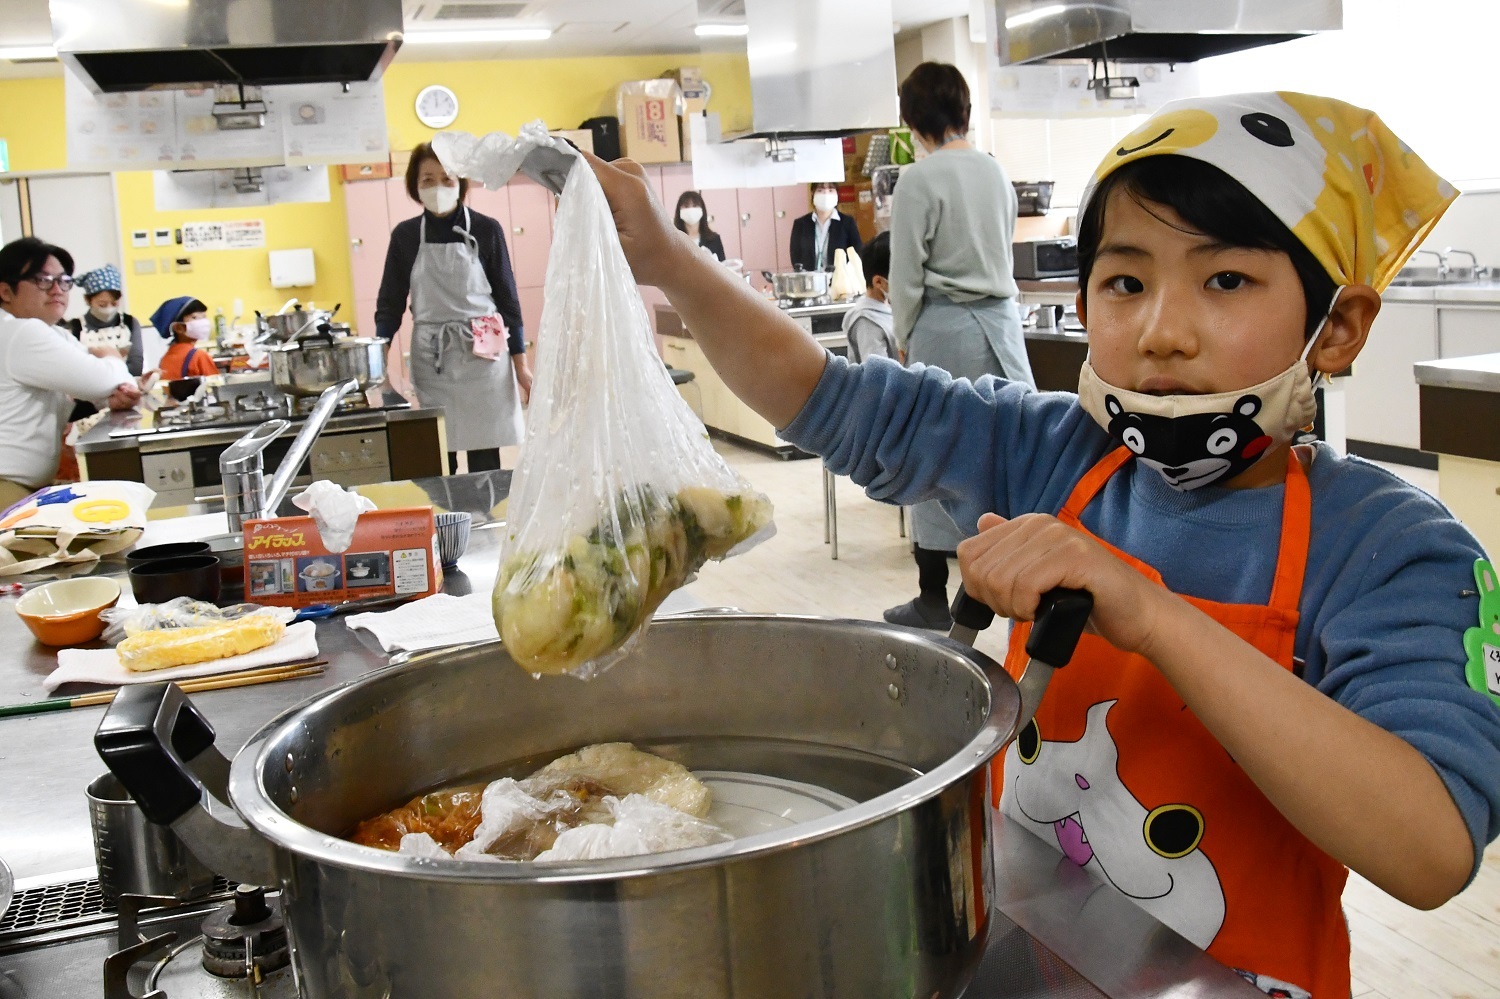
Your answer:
<point x="177" y="475"/>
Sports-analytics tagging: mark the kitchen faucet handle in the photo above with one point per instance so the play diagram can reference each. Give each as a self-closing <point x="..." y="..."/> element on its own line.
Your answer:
<point x="245" y="452"/>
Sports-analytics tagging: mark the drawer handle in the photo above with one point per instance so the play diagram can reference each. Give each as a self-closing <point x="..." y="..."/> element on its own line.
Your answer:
<point x="745" y="217"/>
<point x="781" y="215"/>
<point x="519" y="230"/>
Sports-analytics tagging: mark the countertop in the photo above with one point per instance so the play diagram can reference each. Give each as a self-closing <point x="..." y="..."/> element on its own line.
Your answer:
<point x="1050" y="913"/>
<point x="124" y="429"/>
<point x="1457" y="293"/>
<point x="1480" y="372"/>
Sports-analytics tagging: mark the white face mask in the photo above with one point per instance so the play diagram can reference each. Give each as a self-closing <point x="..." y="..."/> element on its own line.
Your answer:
<point x="104" y="313"/>
<point x="691" y="216"/>
<point x="1200" y="440"/>
<point x="825" y="201"/>
<point x="440" y="199"/>
<point x="196" y="329"/>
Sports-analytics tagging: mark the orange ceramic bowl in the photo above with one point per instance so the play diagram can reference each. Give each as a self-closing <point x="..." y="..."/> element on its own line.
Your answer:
<point x="66" y="612"/>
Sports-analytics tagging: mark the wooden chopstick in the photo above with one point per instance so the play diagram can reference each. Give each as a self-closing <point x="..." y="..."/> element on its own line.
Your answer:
<point x="193" y="685"/>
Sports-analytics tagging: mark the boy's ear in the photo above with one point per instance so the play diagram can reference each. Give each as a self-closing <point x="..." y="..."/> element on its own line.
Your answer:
<point x="1348" y="327"/>
<point x="1078" y="306"/>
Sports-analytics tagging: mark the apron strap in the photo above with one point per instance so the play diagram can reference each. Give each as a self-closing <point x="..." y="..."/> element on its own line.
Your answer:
<point x="1296" y="531"/>
<point x="188" y="360"/>
<point x="1093" y="480"/>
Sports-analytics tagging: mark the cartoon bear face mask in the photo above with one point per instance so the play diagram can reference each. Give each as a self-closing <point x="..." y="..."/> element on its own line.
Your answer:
<point x="1199" y="440"/>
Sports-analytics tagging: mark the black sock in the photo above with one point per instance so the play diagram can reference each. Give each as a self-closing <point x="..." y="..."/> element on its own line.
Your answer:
<point x="932" y="574"/>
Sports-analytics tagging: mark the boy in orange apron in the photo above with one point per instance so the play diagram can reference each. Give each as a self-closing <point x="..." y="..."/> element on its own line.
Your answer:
<point x="1276" y="689"/>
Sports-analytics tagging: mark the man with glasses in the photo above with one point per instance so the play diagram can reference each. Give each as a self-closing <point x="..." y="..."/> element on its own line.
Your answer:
<point x="42" y="368"/>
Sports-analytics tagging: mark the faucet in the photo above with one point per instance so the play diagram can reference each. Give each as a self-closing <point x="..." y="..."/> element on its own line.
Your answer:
<point x="1473" y="260"/>
<point x="242" y="465"/>
<point x="1442" y="268"/>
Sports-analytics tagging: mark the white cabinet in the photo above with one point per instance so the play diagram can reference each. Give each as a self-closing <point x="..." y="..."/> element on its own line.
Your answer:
<point x="719" y="408"/>
<point x="1466" y="330"/>
<point x="1381" y="395"/>
<point x="1471" y="489"/>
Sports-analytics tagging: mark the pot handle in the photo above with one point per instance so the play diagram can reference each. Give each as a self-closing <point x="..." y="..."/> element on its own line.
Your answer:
<point x="1061" y="616"/>
<point x="148" y="731"/>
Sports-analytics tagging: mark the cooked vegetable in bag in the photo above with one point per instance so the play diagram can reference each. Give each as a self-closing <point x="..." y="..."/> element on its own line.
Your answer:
<point x="619" y="497"/>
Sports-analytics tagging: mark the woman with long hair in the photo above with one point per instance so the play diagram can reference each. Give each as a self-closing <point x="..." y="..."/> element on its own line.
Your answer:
<point x="691" y="217"/>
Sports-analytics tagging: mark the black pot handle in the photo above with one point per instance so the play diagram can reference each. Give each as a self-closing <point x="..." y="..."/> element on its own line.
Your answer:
<point x="147" y="732"/>
<point x="1061" y="616"/>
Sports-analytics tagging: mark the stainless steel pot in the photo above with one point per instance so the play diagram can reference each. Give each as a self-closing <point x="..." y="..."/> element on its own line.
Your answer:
<point x="890" y="897"/>
<point x="799" y="284"/>
<point x="284" y="327"/>
<point x="313" y="363"/>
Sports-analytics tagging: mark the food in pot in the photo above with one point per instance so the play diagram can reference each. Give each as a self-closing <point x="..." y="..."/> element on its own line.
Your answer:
<point x="557" y="611"/>
<point x="605" y="800"/>
<point x="168" y="647"/>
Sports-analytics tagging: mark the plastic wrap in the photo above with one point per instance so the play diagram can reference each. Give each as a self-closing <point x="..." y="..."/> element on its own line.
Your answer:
<point x="619" y="496"/>
<point x="182" y="612"/>
<point x="640" y="826"/>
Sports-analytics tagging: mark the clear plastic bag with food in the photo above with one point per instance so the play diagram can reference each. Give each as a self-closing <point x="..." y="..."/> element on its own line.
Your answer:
<point x="181" y="612"/>
<point x="619" y="497"/>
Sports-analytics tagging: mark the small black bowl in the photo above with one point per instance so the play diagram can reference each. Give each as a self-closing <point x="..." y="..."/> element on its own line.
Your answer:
<point x="182" y="389"/>
<point x="155" y="553"/>
<point x="195" y="576"/>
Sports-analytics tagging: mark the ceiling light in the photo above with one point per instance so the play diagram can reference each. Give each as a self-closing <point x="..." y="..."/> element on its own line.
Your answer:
<point x="722" y="30"/>
<point x="21" y="53"/>
<point x="469" y="35"/>
<point x="1038" y="14"/>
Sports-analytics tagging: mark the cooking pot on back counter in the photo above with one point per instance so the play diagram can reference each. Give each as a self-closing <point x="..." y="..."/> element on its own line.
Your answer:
<point x="890" y="895"/>
<point x="798" y="285"/>
<point x="1045" y="258"/>
<point x="316" y="361"/>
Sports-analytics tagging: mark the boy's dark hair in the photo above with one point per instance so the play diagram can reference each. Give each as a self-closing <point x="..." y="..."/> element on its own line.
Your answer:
<point x="423" y="151"/>
<point x="695" y="199"/>
<point x="188" y="308"/>
<point x="935" y="100"/>
<point x="21" y="258"/>
<point x="1212" y="203"/>
<point x="875" y="258"/>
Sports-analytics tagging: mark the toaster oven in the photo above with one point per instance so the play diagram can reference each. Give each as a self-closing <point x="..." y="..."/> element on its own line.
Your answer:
<point x="1045" y="258"/>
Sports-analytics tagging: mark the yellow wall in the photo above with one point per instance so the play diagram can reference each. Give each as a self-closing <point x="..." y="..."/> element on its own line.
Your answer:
<point x="493" y="96"/>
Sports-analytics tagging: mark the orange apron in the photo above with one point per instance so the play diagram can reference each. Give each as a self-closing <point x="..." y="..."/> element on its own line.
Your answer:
<point x="1128" y="782"/>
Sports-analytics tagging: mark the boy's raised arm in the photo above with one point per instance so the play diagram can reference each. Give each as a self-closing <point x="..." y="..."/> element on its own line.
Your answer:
<point x="763" y="356"/>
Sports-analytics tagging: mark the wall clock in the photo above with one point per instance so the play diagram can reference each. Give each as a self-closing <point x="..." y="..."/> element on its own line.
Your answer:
<point x="437" y="106"/>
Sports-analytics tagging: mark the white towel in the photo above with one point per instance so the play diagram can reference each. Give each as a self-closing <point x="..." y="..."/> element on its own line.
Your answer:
<point x="103" y="665"/>
<point x="431" y="622"/>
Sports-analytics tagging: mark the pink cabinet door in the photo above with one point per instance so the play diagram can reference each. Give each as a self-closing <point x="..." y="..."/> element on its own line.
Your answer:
<point x="724" y="219"/>
<point x="757" y="232"/>
<point x="369" y="233"/>
<point x="675" y="178"/>
<point x="530" y="235"/>
<point x="791" y="203"/>
<point x="495" y="204"/>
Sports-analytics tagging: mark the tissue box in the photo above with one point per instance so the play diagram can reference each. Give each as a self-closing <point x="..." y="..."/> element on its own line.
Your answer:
<point x="393" y="554"/>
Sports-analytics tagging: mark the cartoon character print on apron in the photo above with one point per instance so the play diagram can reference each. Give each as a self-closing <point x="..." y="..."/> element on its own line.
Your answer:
<point x="480" y="398"/>
<point x="1127" y="782"/>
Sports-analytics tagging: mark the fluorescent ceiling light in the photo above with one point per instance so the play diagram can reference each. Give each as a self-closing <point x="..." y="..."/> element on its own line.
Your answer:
<point x="17" y="53"/>
<point x="469" y="35"/>
<point x="722" y="30"/>
<point x="1026" y="17"/>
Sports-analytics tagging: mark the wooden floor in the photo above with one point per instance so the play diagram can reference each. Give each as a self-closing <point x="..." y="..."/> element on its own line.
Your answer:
<point x="1399" y="952"/>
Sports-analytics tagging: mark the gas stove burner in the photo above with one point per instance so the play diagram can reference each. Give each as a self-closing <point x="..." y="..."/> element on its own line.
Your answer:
<point x="191" y="414"/>
<point x="350" y="403"/>
<point x="246" y="936"/>
<point x="803" y="303"/>
<point x="260" y="402"/>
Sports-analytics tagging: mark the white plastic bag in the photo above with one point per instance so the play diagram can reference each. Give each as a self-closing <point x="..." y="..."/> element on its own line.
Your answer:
<point x="619" y="496"/>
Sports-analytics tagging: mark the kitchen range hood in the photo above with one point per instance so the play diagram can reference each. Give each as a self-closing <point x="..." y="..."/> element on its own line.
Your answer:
<point x="128" y="45"/>
<point x="820" y="70"/>
<point x="1153" y="30"/>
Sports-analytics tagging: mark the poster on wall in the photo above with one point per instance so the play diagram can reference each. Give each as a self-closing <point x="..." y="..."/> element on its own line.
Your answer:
<point x="186" y="190"/>
<point x="240" y="234"/>
<point x="165" y="129"/>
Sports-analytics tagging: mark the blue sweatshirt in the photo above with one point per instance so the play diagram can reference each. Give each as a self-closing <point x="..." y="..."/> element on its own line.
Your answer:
<point x="1389" y="589"/>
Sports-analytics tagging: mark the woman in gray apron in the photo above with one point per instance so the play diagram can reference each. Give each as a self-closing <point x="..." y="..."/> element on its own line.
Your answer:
<point x="952" y="290"/>
<point x="454" y="265"/>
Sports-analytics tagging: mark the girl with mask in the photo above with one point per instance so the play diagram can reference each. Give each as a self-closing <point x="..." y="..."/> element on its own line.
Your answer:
<point x="952" y="292"/>
<point x="692" y="218"/>
<point x="454" y="266"/>
<point x="818" y="236"/>
<point x="185" y="319"/>
<point x="1278" y="686"/>
<point x="102" y="290"/>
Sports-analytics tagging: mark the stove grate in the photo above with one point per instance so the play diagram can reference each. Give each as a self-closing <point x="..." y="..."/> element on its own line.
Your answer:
<point x="49" y="907"/>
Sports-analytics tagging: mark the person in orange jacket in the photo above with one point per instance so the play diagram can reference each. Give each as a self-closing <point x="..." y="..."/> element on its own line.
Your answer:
<point x="186" y="320"/>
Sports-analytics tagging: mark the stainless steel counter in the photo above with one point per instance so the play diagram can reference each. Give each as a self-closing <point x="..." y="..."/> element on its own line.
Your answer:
<point x="135" y="428"/>
<point x="1479" y="373"/>
<point x="1460" y="292"/>
<point x="1056" y="931"/>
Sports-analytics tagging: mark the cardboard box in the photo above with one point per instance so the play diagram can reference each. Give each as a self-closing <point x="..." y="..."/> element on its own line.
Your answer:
<point x="649" y="129"/>
<point x="393" y="554"/>
<point x="583" y="138"/>
<point x="695" y="92"/>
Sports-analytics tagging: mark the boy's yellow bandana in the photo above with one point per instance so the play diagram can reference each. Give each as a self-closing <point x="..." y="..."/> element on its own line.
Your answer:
<point x="1353" y="193"/>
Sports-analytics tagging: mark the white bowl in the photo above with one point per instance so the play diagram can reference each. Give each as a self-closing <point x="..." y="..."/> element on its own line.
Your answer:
<point x="66" y="597"/>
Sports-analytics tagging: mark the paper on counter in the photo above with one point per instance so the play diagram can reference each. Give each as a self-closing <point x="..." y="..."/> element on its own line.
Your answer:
<point x="431" y="622"/>
<point x="103" y="665"/>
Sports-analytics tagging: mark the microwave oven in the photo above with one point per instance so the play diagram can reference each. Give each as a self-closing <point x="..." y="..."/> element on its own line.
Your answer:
<point x="1045" y="258"/>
